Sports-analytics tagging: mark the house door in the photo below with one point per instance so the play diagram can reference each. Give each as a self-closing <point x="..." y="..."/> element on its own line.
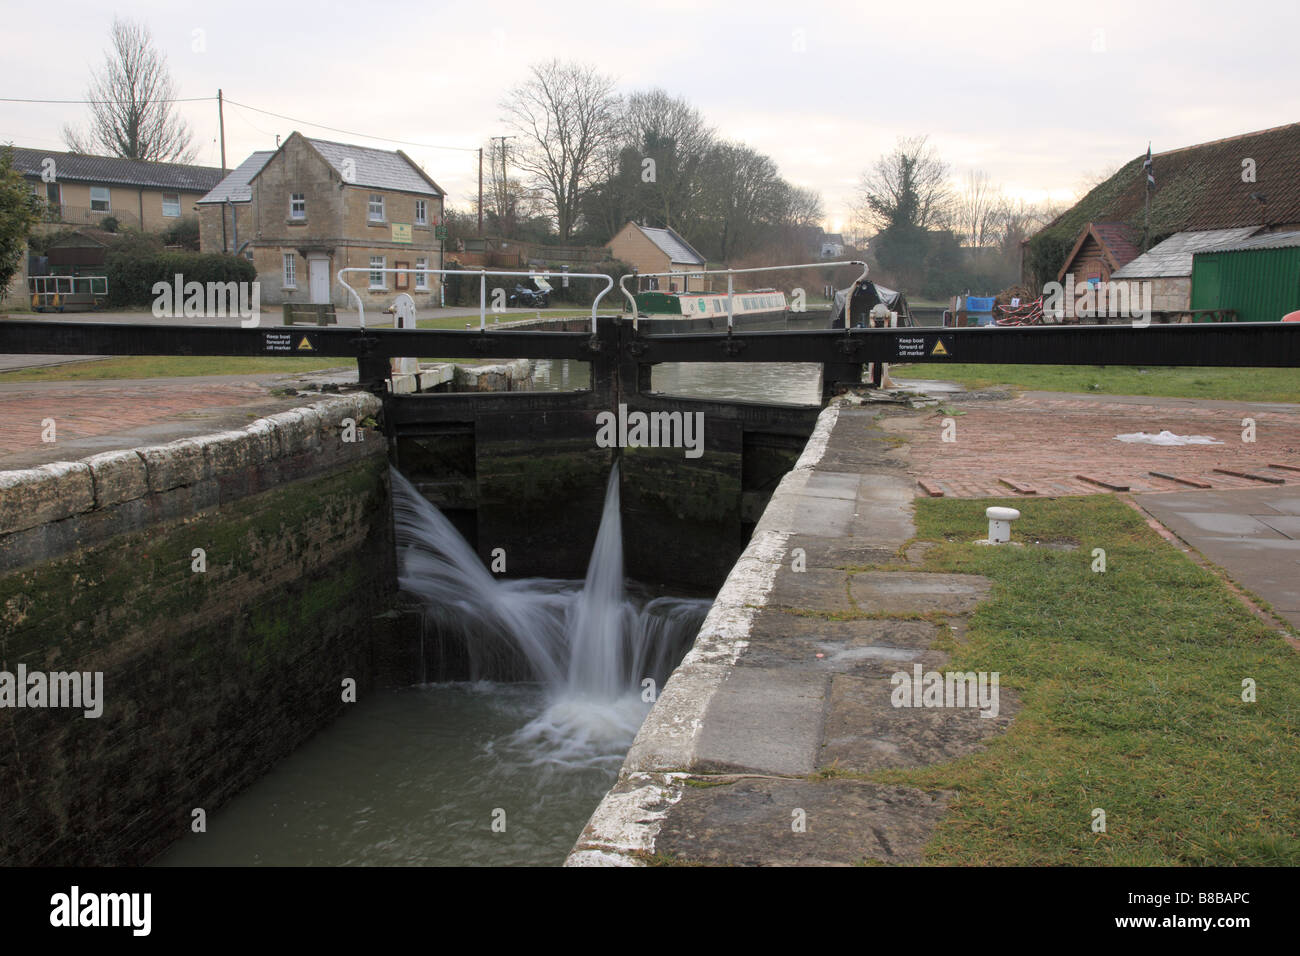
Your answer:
<point x="318" y="272"/>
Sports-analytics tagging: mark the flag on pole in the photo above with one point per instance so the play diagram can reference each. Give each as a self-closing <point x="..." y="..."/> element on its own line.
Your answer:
<point x="1151" y="176"/>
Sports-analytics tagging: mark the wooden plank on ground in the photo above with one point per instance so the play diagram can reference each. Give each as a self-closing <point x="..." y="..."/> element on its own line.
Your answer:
<point x="1271" y="479"/>
<point x="1019" y="487"/>
<point x="1102" y="482"/>
<point x="1191" y="482"/>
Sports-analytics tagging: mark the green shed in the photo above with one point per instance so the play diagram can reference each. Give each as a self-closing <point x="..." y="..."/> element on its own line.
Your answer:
<point x="1258" y="277"/>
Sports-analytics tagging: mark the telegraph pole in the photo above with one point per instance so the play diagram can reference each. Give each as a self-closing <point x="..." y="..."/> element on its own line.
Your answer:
<point x="504" y="196"/>
<point x="480" y="192"/>
<point x="221" y="121"/>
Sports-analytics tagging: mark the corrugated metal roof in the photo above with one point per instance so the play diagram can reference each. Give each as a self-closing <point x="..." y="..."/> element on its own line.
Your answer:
<point x="1173" y="257"/>
<point x="1271" y="240"/>
<point x="674" y="246"/>
<point x="114" y="171"/>
<point x="380" y="168"/>
<point x="235" y="187"/>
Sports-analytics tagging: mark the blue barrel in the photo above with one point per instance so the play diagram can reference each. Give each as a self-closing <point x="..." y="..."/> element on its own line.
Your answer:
<point x="979" y="310"/>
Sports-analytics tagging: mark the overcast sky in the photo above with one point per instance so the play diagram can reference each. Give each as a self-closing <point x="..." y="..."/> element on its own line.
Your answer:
<point x="1041" y="98"/>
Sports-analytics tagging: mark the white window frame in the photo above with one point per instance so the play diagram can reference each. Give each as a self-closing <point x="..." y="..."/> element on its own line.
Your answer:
<point x="290" y="271"/>
<point x="176" y="205"/>
<point x="421" y="275"/>
<point x="421" y="212"/>
<point x="373" y="215"/>
<point x="296" y="200"/>
<point x="107" y="199"/>
<point x="377" y="282"/>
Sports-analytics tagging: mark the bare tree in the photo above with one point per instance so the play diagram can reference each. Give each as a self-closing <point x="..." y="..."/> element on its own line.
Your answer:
<point x="564" y="115"/>
<point x="507" y="199"/>
<point x="742" y="193"/>
<point x="672" y="133"/>
<point x="132" y="114"/>
<point x="981" y="210"/>
<point x="907" y="187"/>
<point x="804" y="207"/>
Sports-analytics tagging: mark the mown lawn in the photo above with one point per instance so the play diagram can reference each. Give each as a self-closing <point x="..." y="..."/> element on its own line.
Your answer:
<point x="1236" y="384"/>
<point x="1130" y="684"/>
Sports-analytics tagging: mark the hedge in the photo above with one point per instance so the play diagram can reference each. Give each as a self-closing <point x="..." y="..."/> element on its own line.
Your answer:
<point x="131" y="276"/>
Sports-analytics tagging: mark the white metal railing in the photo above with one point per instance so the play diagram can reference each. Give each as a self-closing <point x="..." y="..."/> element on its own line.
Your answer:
<point x="482" y="288"/>
<point x="731" y="315"/>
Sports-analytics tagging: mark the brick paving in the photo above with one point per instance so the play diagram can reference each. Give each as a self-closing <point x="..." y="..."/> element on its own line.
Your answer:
<point x="91" y="417"/>
<point x="1047" y="443"/>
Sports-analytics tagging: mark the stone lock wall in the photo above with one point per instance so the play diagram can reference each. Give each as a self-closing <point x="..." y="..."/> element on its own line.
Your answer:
<point x="212" y="674"/>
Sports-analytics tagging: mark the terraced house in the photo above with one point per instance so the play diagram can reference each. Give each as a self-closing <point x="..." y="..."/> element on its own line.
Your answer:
<point x="82" y="190"/>
<point x="312" y="207"/>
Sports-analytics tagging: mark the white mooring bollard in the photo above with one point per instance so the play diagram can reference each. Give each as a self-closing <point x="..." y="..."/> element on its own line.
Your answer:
<point x="1000" y="524"/>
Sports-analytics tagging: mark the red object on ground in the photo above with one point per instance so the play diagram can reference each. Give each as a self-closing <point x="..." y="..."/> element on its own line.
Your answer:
<point x="1292" y="317"/>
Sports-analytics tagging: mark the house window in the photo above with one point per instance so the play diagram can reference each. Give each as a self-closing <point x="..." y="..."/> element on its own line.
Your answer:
<point x="100" y="200"/>
<point x="421" y="212"/>
<point x="171" y="205"/>
<point x="376" y="207"/>
<point x="421" y="277"/>
<point x="298" y="206"/>
<point x="376" y="272"/>
<point x="290" y="271"/>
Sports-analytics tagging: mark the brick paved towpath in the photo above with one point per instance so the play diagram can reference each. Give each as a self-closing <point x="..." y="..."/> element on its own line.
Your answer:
<point x="93" y="417"/>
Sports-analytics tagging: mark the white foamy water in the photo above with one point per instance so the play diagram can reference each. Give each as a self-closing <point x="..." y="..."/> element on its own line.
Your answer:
<point x="590" y="645"/>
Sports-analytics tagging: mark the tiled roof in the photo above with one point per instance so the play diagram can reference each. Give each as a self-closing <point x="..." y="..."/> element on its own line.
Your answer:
<point x="1173" y="257"/>
<point x="1118" y="239"/>
<point x="235" y="187"/>
<point x="1271" y="240"/>
<point x="113" y="171"/>
<point x="1200" y="187"/>
<point x="380" y="168"/>
<point x="674" y="246"/>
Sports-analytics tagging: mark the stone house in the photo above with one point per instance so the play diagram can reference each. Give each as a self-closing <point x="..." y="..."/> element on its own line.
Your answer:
<point x="85" y="190"/>
<point x="648" y="249"/>
<point x="81" y="192"/>
<point x="304" y="211"/>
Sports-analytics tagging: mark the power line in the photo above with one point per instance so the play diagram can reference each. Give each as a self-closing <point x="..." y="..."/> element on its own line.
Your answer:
<point x="190" y="99"/>
<point x="212" y="99"/>
<point x="348" y="132"/>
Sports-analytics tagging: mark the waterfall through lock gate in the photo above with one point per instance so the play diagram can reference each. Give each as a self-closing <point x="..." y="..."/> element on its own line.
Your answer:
<point x="501" y="770"/>
<point x="590" y="645"/>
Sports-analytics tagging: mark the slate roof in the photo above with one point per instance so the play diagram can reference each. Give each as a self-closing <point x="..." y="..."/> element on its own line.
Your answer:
<point x="380" y="168"/>
<point x="114" y="171"/>
<point x="1173" y="257"/>
<point x="1199" y="188"/>
<point x="1272" y="240"/>
<point x="235" y="187"/>
<point x="674" y="246"/>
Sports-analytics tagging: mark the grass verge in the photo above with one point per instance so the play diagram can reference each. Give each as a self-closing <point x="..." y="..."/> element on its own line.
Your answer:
<point x="1130" y="683"/>
<point x="1233" y="384"/>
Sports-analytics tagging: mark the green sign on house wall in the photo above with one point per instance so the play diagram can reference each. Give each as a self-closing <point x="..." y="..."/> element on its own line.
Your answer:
<point x="440" y="232"/>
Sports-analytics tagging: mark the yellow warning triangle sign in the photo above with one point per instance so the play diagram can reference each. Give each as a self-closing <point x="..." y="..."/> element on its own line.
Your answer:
<point x="937" y="350"/>
<point x="304" y="345"/>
